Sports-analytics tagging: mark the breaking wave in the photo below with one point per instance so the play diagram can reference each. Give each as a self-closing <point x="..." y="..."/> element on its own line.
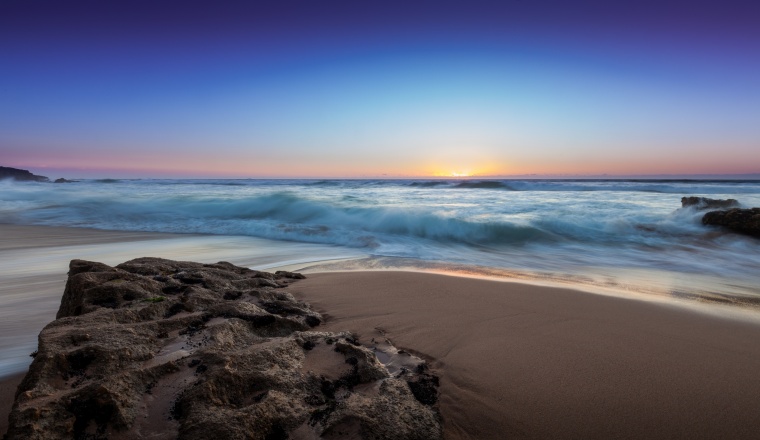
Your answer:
<point x="483" y="184"/>
<point x="430" y="183"/>
<point x="280" y="215"/>
<point x="479" y="221"/>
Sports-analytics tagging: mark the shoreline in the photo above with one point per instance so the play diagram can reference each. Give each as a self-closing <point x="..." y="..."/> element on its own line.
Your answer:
<point x="25" y="238"/>
<point x="691" y="290"/>
<point x="515" y="358"/>
<point x="35" y="260"/>
<point x="721" y="309"/>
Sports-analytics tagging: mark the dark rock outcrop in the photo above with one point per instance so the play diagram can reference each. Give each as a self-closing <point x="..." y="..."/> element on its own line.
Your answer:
<point x="62" y="180"/>
<point x="161" y="349"/>
<point x="20" y="175"/>
<point x="706" y="203"/>
<point x="743" y="221"/>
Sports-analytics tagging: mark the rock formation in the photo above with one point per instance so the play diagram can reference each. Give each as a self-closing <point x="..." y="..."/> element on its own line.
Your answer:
<point x="161" y="349"/>
<point x="701" y="203"/>
<point x="62" y="180"/>
<point x="744" y="221"/>
<point x="21" y="175"/>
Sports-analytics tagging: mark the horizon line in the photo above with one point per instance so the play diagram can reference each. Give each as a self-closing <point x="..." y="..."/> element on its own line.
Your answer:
<point x="132" y="174"/>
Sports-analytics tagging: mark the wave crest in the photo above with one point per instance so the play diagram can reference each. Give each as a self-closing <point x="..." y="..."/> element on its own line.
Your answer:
<point x="483" y="184"/>
<point x="280" y="215"/>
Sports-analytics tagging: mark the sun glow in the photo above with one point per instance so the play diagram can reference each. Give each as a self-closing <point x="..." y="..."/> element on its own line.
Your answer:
<point x="446" y="174"/>
<point x="465" y="170"/>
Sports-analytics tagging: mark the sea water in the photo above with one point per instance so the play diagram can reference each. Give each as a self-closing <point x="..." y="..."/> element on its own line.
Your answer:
<point x="631" y="233"/>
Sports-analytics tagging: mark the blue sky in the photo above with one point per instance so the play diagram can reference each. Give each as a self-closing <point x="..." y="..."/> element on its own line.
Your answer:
<point x="308" y="89"/>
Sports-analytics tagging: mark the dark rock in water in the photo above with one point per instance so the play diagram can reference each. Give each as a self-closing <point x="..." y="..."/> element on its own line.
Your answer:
<point x="21" y="175"/>
<point x="706" y="203"/>
<point x="162" y="349"/>
<point x="62" y="180"/>
<point x="743" y="221"/>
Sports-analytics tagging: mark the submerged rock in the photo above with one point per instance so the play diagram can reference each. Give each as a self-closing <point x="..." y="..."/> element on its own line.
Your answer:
<point x="162" y="349"/>
<point x="707" y="203"/>
<point x="62" y="180"/>
<point x="743" y="221"/>
<point x="21" y="175"/>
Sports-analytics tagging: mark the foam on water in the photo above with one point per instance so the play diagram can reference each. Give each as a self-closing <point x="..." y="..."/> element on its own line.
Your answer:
<point x="557" y="225"/>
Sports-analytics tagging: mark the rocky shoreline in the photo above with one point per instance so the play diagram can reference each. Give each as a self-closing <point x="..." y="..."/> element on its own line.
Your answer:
<point x="155" y="348"/>
<point x="729" y="215"/>
<point x="742" y="221"/>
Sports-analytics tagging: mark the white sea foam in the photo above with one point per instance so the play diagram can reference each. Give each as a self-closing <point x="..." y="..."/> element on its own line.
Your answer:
<point x="538" y="224"/>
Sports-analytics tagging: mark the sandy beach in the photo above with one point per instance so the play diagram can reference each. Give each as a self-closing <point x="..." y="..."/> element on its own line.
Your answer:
<point x="515" y="360"/>
<point x="521" y="361"/>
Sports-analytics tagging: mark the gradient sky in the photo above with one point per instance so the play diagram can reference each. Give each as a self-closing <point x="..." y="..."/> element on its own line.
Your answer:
<point x="368" y="89"/>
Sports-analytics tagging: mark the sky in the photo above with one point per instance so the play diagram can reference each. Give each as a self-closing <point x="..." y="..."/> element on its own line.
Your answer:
<point x="379" y="89"/>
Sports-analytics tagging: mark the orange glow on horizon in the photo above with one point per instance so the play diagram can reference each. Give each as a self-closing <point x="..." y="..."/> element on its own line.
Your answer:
<point x="310" y="172"/>
<point x="157" y="164"/>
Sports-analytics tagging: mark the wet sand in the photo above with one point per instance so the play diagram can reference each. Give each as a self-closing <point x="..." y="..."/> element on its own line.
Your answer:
<point x="8" y="387"/>
<point x="523" y="361"/>
<point x="28" y="237"/>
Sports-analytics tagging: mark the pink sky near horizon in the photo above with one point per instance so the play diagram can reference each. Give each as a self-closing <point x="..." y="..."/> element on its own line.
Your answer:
<point x="171" y="165"/>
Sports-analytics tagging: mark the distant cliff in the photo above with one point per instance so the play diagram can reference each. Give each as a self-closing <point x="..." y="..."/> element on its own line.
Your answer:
<point x="23" y="175"/>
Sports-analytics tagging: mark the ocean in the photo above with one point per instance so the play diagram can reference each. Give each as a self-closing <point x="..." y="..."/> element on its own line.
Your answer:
<point x="626" y="234"/>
